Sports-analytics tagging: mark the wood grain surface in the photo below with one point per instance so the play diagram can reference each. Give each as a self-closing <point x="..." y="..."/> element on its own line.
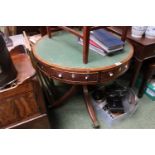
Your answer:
<point x="17" y="105"/>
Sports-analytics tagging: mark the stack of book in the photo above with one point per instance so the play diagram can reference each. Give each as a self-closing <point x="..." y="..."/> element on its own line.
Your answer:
<point x="104" y="42"/>
<point x="150" y="89"/>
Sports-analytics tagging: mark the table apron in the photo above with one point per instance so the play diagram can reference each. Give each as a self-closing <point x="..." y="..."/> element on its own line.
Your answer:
<point x="84" y="77"/>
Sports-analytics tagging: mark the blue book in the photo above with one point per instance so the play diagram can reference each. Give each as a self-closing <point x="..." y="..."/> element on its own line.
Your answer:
<point x="108" y="39"/>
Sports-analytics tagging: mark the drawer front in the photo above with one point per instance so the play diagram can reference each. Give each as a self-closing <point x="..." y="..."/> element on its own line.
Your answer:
<point x="114" y="73"/>
<point x="70" y="77"/>
<point x="85" y="78"/>
<point x="76" y="77"/>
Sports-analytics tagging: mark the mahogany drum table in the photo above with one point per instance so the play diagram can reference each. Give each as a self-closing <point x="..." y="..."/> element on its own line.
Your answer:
<point x="60" y="58"/>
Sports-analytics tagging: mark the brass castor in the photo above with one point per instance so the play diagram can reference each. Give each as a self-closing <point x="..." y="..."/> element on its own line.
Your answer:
<point x="96" y="125"/>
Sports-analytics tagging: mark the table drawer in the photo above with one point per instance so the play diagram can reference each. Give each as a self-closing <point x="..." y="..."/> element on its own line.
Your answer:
<point x="84" y="77"/>
<point x="75" y="77"/>
<point x="114" y="72"/>
<point x="69" y="77"/>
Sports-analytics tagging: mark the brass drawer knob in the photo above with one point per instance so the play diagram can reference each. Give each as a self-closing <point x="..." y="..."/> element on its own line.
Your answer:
<point x="86" y="77"/>
<point x="73" y="76"/>
<point x="111" y="74"/>
<point x="60" y="75"/>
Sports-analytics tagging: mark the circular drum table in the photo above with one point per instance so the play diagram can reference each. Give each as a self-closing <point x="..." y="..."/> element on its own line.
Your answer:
<point x="60" y="58"/>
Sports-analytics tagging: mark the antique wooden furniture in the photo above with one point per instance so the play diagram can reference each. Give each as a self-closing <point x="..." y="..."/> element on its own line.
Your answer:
<point x="144" y="49"/>
<point x="148" y="71"/>
<point x="59" y="58"/>
<point x="85" y="36"/>
<point x="22" y="104"/>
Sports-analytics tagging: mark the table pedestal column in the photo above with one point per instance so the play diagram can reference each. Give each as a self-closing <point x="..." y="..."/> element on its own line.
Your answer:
<point x="72" y="91"/>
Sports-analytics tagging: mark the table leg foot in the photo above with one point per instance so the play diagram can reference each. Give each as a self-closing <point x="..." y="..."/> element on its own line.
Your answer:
<point x="90" y="107"/>
<point x="96" y="125"/>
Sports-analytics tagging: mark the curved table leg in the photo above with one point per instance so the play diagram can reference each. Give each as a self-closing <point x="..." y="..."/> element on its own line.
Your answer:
<point x="90" y="107"/>
<point x="66" y="96"/>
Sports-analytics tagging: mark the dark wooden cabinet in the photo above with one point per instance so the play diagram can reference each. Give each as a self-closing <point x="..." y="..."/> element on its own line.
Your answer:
<point x="22" y="104"/>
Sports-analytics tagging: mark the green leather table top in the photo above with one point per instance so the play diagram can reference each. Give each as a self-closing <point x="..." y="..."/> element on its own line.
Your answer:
<point x="63" y="50"/>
